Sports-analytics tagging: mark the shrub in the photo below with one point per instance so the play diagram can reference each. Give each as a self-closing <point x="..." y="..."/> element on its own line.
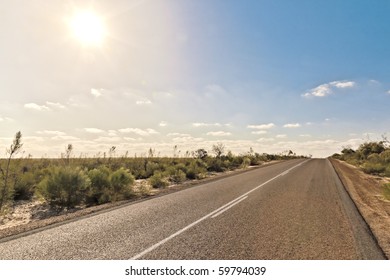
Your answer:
<point x="177" y="176"/>
<point x="245" y="162"/>
<point x="121" y="183"/>
<point x="195" y="170"/>
<point x="65" y="187"/>
<point x="24" y="186"/>
<point x="158" y="180"/>
<point x="215" y="165"/>
<point x="100" y="185"/>
<point x="373" y="168"/>
<point x="387" y="171"/>
<point x="385" y="156"/>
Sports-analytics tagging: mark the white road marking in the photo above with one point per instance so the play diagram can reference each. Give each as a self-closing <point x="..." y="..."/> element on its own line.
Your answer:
<point x="227" y="205"/>
<point x="227" y="208"/>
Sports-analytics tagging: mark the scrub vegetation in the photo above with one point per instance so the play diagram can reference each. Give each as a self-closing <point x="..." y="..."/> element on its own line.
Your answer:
<point x="69" y="181"/>
<point x="372" y="158"/>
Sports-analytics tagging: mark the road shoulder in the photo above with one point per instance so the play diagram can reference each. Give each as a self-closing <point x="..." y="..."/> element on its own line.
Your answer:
<point x="366" y="192"/>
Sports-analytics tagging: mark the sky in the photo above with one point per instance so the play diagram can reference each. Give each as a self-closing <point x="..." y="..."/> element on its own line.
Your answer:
<point x="307" y="76"/>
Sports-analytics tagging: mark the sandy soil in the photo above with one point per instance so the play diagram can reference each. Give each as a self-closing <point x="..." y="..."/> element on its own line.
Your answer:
<point x="367" y="193"/>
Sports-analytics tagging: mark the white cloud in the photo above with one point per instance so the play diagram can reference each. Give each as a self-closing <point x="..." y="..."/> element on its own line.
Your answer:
<point x="261" y="126"/>
<point x="52" y="132"/>
<point x="163" y="124"/>
<point x="104" y="139"/>
<point x="218" y="133"/>
<point x="112" y="133"/>
<point x="65" y="137"/>
<point x="143" y="102"/>
<point x="292" y="125"/>
<point x="206" y="124"/>
<point x="343" y="84"/>
<point x="93" y="130"/>
<point x="37" y="107"/>
<point x="186" y="139"/>
<point x="281" y="136"/>
<point x="327" y="89"/>
<point x="130" y="139"/>
<point x="388" y="92"/>
<point x="2" y="119"/>
<point x="258" y="132"/>
<point x="305" y="135"/>
<point x="265" y="140"/>
<point x="96" y="92"/>
<point x="55" y="105"/>
<point x="142" y="132"/>
<point x="176" y="134"/>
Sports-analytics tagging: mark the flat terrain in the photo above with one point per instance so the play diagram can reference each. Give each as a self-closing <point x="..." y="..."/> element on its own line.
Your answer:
<point x="296" y="209"/>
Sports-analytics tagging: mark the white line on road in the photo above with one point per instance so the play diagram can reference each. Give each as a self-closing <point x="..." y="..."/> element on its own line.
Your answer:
<point x="226" y="206"/>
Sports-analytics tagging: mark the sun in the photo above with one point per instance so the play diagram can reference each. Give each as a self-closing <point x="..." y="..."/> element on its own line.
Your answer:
<point x="88" y="28"/>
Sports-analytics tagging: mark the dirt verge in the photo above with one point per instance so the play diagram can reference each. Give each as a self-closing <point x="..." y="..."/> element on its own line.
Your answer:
<point x="367" y="193"/>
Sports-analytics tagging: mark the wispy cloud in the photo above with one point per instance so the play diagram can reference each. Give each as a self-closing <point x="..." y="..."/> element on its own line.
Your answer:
<point x="198" y="124"/>
<point x="292" y="125"/>
<point x="47" y="107"/>
<point x="214" y="91"/>
<point x="65" y="138"/>
<point x="388" y="92"/>
<point x="263" y="140"/>
<point x="143" y="102"/>
<point x="281" y="136"/>
<point x="34" y="106"/>
<point x="328" y="88"/>
<point x="93" y="130"/>
<point x="55" y="105"/>
<point x="258" y="132"/>
<point x="176" y="134"/>
<point x="261" y="126"/>
<point x="163" y="124"/>
<point x="51" y="132"/>
<point x="218" y="133"/>
<point x="3" y="119"/>
<point x="96" y="92"/>
<point x="142" y="132"/>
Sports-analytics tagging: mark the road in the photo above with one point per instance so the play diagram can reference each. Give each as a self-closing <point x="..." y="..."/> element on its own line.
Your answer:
<point x="296" y="209"/>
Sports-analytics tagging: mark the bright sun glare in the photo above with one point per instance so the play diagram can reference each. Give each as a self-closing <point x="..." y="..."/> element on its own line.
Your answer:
<point x="88" y="28"/>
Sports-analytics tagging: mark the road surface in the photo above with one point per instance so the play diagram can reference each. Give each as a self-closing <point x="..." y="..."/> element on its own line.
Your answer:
<point x="296" y="209"/>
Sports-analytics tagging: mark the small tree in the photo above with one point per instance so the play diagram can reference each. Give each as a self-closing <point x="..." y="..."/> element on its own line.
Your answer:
<point x="5" y="173"/>
<point x="200" y="154"/>
<point x="218" y="149"/>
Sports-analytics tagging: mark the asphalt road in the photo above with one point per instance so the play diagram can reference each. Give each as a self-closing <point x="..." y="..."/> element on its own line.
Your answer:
<point x="292" y="210"/>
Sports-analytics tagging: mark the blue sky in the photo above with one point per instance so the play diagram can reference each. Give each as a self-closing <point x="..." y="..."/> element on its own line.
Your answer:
<point x="307" y="76"/>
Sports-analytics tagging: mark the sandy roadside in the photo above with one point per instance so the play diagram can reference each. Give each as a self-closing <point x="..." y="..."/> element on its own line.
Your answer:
<point x="367" y="193"/>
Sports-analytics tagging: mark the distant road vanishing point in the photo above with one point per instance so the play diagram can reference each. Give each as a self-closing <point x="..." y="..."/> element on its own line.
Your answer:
<point x="295" y="209"/>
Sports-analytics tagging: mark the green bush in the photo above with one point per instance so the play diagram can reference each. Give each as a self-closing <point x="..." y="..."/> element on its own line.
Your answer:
<point x="65" y="186"/>
<point x="24" y="186"/>
<point x="158" y="180"/>
<point x="385" y="156"/>
<point x="177" y="176"/>
<point x="387" y="171"/>
<point x="100" y="185"/>
<point x="373" y="168"/>
<point x="121" y="183"/>
<point x="245" y="162"/>
<point x="195" y="170"/>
